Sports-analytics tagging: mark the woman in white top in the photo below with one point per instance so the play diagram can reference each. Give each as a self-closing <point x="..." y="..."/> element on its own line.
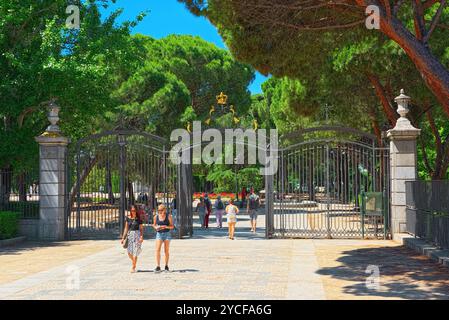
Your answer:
<point x="231" y="214"/>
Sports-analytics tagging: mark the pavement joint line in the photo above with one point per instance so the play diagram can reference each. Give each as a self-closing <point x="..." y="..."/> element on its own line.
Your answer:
<point x="297" y="287"/>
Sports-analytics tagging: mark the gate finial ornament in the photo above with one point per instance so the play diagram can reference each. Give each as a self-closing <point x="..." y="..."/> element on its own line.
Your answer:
<point x="402" y="100"/>
<point x="403" y="128"/>
<point x="222" y="98"/>
<point x="53" y="129"/>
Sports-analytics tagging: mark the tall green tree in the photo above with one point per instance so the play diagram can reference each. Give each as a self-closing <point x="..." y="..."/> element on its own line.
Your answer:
<point x="179" y="82"/>
<point x="352" y="70"/>
<point x="42" y="59"/>
<point x="269" y="34"/>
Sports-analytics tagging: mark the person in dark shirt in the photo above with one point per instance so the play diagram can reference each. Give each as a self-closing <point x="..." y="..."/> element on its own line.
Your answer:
<point x="208" y="204"/>
<point x="134" y="232"/>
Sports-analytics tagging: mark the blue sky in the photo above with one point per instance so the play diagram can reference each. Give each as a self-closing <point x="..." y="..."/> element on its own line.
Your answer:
<point x="171" y="17"/>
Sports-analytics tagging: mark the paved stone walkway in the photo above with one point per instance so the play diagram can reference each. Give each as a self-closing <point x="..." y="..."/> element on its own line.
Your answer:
<point x="29" y="258"/>
<point x="210" y="266"/>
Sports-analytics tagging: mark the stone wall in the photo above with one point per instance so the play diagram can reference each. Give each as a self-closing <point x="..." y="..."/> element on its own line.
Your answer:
<point x="29" y="228"/>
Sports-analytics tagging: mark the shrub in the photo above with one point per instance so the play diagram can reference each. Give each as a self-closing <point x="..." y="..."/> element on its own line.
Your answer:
<point x="26" y="209"/>
<point x="9" y="224"/>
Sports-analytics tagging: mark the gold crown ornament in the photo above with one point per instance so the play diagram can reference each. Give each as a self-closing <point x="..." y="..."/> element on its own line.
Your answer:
<point x="222" y="98"/>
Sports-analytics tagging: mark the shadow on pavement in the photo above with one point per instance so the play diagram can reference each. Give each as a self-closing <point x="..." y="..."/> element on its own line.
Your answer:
<point x="242" y="233"/>
<point x="28" y="246"/>
<point x="171" y="271"/>
<point x="403" y="274"/>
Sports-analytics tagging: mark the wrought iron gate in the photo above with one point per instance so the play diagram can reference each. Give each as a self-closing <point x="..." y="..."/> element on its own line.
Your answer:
<point x="112" y="171"/>
<point x="319" y="187"/>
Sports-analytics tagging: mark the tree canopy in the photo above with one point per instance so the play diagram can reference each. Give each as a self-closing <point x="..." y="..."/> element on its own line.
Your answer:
<point x="179" y="80"/>
<point x="42" y="59"/>
<point x="339" y="64"/>
<point x="273" y="36"/>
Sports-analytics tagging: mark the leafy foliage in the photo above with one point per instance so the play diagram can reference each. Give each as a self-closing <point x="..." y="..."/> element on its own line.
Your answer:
<point x="9" y="224"/>
<point x="41" y="59"/>
<point x="179" y="80"/>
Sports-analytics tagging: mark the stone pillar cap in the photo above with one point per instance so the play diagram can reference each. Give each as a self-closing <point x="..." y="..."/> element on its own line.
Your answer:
<point x="52" y="138"/>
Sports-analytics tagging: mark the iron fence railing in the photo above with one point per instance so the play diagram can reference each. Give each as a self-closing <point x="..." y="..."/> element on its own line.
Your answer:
<point x="19" y="192"/>
<point x="322" y="178"/>
<point x="428" y="211"/>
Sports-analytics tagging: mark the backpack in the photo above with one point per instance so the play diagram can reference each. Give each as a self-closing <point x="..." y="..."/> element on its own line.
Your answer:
<point x="252" y="202"/>
<point x="220" y="205"/>
<point x="207" y="203"/>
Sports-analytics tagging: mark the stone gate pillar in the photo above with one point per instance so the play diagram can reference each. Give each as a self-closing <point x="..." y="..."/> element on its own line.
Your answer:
<point x="52" y="179"/>
<point x="403" y="162"/>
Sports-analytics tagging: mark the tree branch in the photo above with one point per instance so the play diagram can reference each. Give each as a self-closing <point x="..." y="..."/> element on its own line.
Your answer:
<point x="418" y="19"/>
<point x="391" y="114"/>
<point x="397" y="7"/>
<point x="426" y="5"/>
<point x="375" y="123"/>
<point x="425" y="157"/>
<point x="435" y="21"/>
<point x="444" y="26"/>
<point x="444" y="161"/>
<point x="434" y="128"/>
<point x="27" y="111"/>
<point x="316" y="28"/>
<point x="387" y="8"/>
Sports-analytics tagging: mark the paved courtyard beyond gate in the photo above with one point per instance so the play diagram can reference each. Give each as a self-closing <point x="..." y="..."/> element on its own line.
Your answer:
<point x="218" y="268"/>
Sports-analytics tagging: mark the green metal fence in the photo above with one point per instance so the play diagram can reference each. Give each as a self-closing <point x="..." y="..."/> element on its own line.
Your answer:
<point x="428" y="211"/>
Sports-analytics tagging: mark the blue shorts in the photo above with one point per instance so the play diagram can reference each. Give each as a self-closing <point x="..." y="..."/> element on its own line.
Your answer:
<point x="253" y="214"/>
<point x="163" y="236"/>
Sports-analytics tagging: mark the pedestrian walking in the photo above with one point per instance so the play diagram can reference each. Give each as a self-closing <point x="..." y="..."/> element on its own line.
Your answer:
<point x="145" y="198"/>
<point x="219" y="210"/>
<point x="244" y="194"/>
<point x="251" y="208"/>
<point x="140" y="197"/>
<point x="231" y="214"/>
<point x="162" y="223"/>
<point x="133" y="236"/>
<point x="201" y="209"/>
<point x="208" y="204"/>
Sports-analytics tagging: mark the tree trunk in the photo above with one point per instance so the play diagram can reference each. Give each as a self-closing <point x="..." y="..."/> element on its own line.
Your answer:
<point x="390" y="113"/>
<point x="22" y="187"/>
<point x="433" y="72"/>
<point x="5" y="184"/>
<point x="83" y="176"/>
<point x="442" y="166"/>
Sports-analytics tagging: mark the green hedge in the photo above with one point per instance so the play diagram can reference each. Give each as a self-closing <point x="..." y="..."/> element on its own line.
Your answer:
<point x="26" y="209"/>
<point x="9" y="224"/>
